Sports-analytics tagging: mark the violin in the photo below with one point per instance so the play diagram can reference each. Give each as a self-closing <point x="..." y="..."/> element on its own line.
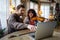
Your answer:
<point x="38" y="19"/>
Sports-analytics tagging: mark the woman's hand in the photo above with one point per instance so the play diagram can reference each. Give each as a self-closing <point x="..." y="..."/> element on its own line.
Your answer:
<point x="31" y="27"/>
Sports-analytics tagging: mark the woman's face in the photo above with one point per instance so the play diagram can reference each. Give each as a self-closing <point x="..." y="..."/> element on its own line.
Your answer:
<point x="30" y="14"/>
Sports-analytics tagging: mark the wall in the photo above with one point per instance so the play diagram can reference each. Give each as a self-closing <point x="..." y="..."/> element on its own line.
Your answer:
<point x="58" y="1"/>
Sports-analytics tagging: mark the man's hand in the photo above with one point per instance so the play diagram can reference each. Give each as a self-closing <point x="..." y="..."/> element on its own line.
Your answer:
<point x="31" y="27"/>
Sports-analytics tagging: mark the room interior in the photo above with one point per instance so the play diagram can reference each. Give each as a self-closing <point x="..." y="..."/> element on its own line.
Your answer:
<point x="43" y="8"/>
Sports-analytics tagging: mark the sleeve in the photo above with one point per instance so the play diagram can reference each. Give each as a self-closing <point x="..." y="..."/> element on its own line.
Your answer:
<point x="16" y="25"/>
<point x="26" y="21"/>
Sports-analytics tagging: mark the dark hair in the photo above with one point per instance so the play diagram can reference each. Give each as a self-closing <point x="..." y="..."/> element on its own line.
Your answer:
<point x="33" y="11"/>
<point x="20" y="6"/>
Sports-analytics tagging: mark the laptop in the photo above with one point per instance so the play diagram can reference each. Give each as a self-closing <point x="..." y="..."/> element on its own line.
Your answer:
<point x="44" y="30"/>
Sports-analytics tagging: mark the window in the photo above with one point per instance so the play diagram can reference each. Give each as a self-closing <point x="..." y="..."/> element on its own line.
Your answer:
<point x="45" y="8"/>
<point x="31" y="5"/>
<point x="34" y="6"/>
<point x="13" y="4"/>
<point x="16" y="2"/>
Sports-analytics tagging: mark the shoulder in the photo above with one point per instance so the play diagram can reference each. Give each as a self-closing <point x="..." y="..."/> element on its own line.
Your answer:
<point x="12" y="15"/>
<point x="26" y="17"/>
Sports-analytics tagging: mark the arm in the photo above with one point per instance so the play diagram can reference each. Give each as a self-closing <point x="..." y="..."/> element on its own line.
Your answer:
<point x="16" y="25"/>
<point x="26" y="21"/>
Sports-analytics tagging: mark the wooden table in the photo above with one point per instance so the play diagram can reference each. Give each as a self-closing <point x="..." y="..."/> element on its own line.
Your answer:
<point x="23" y="35"/>
<point x="20" y="35"/>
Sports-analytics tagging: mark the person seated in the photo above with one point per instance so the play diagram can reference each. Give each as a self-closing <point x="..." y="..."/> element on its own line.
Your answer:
<point x="32" y="18"/>
<point x="15" y="20"/>
<point x="30" y="15"/>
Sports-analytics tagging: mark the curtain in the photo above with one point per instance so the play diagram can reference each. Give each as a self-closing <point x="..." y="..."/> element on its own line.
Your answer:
<point x="3" y="12"/>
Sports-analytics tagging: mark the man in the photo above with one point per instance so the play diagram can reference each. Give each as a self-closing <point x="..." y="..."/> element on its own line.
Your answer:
<point x="15" y="21"/>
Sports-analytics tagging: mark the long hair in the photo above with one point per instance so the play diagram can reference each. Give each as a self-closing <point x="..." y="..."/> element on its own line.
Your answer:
<point x="33" y="12"/>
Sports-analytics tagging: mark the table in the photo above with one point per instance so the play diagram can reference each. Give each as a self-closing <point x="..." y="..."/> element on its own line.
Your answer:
<point x="20" y="35"/>
<point x="24" y="35"/>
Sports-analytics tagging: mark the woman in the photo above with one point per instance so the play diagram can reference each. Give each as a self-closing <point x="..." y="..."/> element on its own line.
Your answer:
<point x="31" y="14"/>
<point x="32" y="18"/>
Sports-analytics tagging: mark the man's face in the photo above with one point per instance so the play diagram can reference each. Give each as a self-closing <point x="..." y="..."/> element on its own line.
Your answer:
<point x="21" y="11"/>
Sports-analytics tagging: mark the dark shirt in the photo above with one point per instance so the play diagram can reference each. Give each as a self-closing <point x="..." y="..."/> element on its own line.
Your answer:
<point x="14" y="22"/>
<point x="18" y="19"/>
